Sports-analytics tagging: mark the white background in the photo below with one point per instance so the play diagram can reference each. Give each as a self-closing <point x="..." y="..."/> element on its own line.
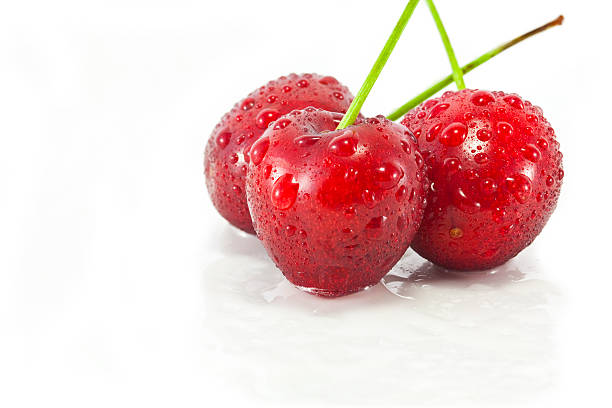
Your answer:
<point x="121" y="286"/>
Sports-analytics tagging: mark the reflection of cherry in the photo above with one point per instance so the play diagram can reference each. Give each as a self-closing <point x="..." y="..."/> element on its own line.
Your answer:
<point x="226" y="156"/>
<point x="335" y="209"/>
<point x="496" y="171"/>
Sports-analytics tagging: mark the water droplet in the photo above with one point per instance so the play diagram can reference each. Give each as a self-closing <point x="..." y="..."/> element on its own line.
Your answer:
<point x="463" y="202"/>
<point x="266" y="116"/>
<point x="282" y="123"/>
<point x="349" y="211"/>
<point x="400" y="193"/>
<point x="488" y="186"/>
<point x="531" y="153"/>
<point x="259" y="150"/>
<point x="305" y="141"/>
<point x="454" y="134"/>
<point x="419" y="160"/>
<point x="550" y="181"/>
<point x="247" y="104"/>
<point x="328" y="80"/>
<point x="284" y="192"/>
<point x="240" y="139"/>
<point x="223" y="139"/>
<point x="272" y="98"/>
<point x="405" y="146"/>
<point x="302" y="83"/>
<point x="542" y="144"/>
<point x="338" y="95"/>
<point x="521" y="186"/>
<point x="504" y="130"/>
<point x="233" y="158"/>
<point x="347" y="230"/>
<point x="437" y="110"/>
<point x="302" y="234"/>
<point x="532" y="118"/>
<point x="387" y="175"/>
<point x="561" y="174"/>
<point x="481" y="158"/>
<point x="514" y="101"/>
<point x="452" y="165"/>
<point x="267" y="171"/>
<point x="344" y="145"/>
<point x="483" y="135"/>
<point x="286" y="88"/>
<point x="236" y="189"/>
<point x="369" y="198"/>
<point x="468" y="116"/>
<point x="455" y="233"/>
<point x="421" y="114"/>
<point x="433" y="132"/>
<point x="482" y="98"/>
<point x="290" y="230"/>
<point x="430" y="104"/>
<point x="498" y="214"/>
<point x="374" y="226"/>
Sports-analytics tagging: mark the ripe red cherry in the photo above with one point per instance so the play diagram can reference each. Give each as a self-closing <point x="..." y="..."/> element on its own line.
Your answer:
<point x="335" y="209"/>
<point x="495" y="170"/>
<point x="226" y="156"/>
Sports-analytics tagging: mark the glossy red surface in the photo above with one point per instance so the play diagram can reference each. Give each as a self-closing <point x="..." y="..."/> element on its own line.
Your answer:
<point x="226" y="155"/>
<point x="335" y="210"/>
<point x="495" y="170"/>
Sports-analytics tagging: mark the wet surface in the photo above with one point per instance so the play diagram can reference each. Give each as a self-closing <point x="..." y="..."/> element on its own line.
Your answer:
<point x="481" y="337"/>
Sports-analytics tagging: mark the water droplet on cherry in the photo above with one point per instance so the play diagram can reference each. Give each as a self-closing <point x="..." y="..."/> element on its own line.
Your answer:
<point x="284" y="192"/>
<point x="454" y="134"/>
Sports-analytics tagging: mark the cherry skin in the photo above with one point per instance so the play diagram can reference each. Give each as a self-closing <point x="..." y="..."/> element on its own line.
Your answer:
<point x="335" y="209"/>
<point x="495" y="170"/>
<point x="226" y="156"/>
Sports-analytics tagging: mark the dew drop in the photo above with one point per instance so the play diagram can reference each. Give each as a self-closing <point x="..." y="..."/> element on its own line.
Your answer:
<point x="236" y="189"/>
<point x="531" y="153"/>
<point x="405" y="146"/>
<point x="272" y="98"/>
<point x="561" y="174"/>
<point x="282" y="123"/>
<point x="481" y="158"/>
<point x="400" y="193"/>
<point x="454" y="134"/>
<point x="452" y="165"/>
<point x="482" y="98"/>
<point x="542" y="144"/>
<point x="302" y="83"/>
<point x="387" y="175"/>
<point x="233" y="158"/>
<point x="266" y="116"/>
<point x="369" y="198"/>
<point x="259" y="150"/>
<point x="419" y="160"/>
<point x="437" y="110"/>
<point x="223" y="139"/>
<point x="521" y="187"/>
<point x="483" y="135"/>
<point x="488" y="186"/>
<point x="328" y="80"/>
<point x="344" y="145"/>
<point x="550" y="181"/>
<point x="284" y="192"/>
<point x="504" y="130"/>
<point x="247" y="104"/>
<point x="338" y="95"/>
<point x="433" y="132"/>
<point x="290" y="230"/>
<point x="267" y="171"/>
<point x="305" y="141"/>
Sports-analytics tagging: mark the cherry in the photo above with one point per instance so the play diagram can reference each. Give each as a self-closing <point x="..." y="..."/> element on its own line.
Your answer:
<point x="226" y="156"/>
<point x="495" y="170"/>
<point x="335" y="209"/>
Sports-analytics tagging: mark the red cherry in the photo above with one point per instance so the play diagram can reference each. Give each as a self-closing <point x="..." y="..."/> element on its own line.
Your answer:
<point x="227" y="150"/>
<point x="496" y="176"/>
<point x="356" y="196"/>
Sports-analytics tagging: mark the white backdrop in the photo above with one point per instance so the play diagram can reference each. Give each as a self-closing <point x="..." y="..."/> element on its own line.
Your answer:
<point x="121" y="286"/>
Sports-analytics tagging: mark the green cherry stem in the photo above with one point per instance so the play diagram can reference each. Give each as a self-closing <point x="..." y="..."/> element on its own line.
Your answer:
<point x="457" y="73"/>
<point x="428" y="93"/>
<point x="355" y="107"/>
